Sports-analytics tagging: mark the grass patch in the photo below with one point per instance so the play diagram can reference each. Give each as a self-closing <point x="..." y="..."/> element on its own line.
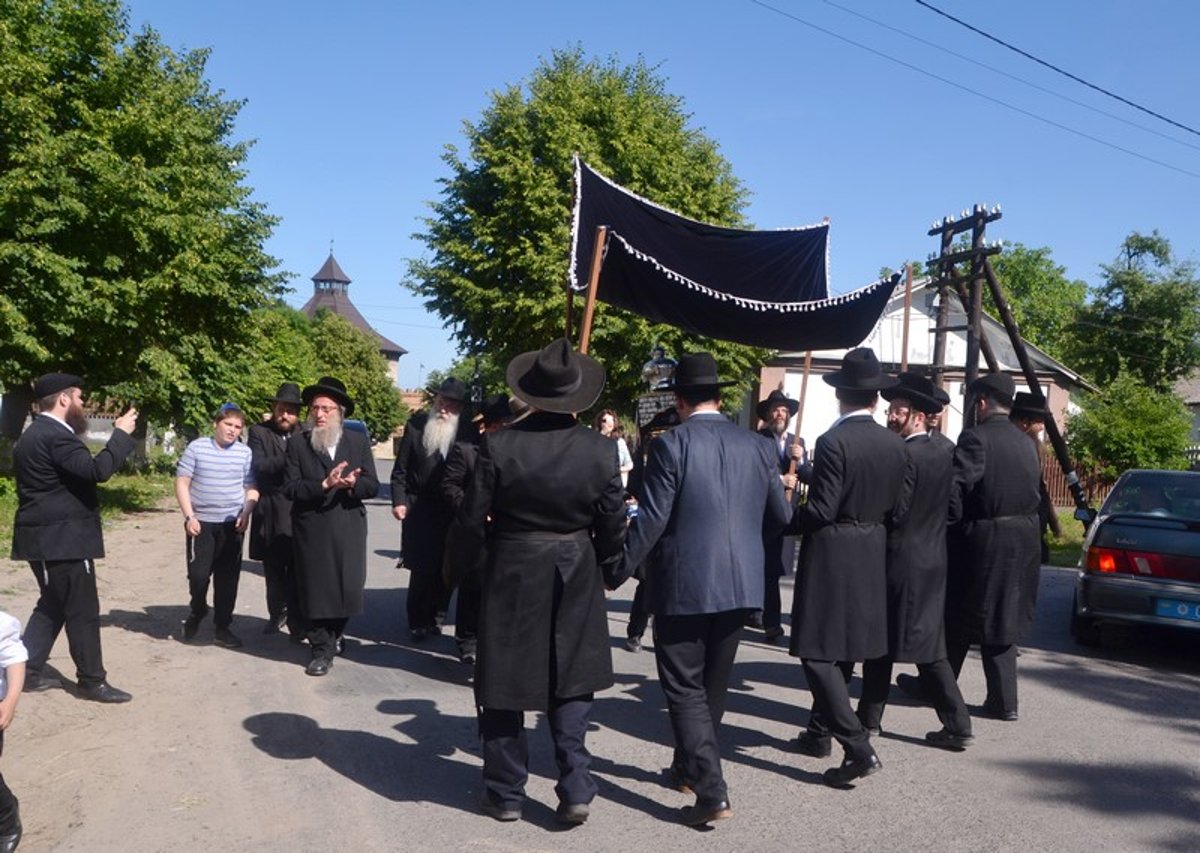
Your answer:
<point x="123" y="493"/>
<point x="1065" y="550"/>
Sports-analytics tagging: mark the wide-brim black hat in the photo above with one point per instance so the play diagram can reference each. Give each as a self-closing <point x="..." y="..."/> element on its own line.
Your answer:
<point x="998" y="385"/>
<point x="860" y="371"/>
<point x="54" y="383"/>
<point x="495" y="409"/>
<point x="777" y="398"/>
<point x="452" y="388"/>
<point x="327" y="386"/>
<point x="289" y="392"/>
<point x="556" y="378"/>
<point x="696" y="370"/>
<point x="920" y="392"/>
<point x="1031" y="406"/>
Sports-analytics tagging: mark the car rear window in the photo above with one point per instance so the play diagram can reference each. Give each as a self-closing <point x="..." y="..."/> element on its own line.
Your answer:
<point x="1163" y="494"/>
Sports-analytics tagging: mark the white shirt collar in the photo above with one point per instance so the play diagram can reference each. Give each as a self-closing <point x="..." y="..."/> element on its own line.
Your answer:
<point x="57" y="419"/>
<point x="854" y="414"/>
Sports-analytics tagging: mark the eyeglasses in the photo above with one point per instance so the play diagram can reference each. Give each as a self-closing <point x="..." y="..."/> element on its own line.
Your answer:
<point x="898" y="411"/>
<point x="325" y="410"/>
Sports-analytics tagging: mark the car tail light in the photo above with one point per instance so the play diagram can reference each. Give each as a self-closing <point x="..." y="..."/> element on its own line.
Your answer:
<point x="1146" y="564"/>
<point x="1106" y="560"/>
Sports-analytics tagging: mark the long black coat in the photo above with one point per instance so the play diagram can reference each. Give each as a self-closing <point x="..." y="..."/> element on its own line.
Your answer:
<point x="272" y="517"/>
<point x="417" y="484"/>
<point x="554" y="493"/>
<point x="916" y="556"/>
<point x="839" y="611"/>
<point x="994" y="563"/>
<point x="58" y="512"/>
<point x="329" y="529"/>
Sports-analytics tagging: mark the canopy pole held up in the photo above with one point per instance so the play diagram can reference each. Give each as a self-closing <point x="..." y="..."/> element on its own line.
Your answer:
<point x="907" y="312"/>
<point x="589" y="311"/>
<point x="787" y="493"/>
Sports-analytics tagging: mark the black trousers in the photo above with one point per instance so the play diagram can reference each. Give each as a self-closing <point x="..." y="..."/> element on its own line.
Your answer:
<point x="999" y="670"/>
<point x="639" y="613"/>
<point x="279" y="574"/>
<point x="506" y="752"/>
<point x="323" y="636"/>
<point x="68" y="597"/>
<point x="695" y="656"/>
<point x="427" y="596"/>
<point x="937" y="679"/>
<point x="216" y="554"/>
<point x="831" y="711"/>
<point x="8" y="802"/>
<point x="466" y="612"/>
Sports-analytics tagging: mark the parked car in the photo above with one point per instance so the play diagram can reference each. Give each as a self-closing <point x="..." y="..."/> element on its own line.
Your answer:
<point x="1141" y="556"/>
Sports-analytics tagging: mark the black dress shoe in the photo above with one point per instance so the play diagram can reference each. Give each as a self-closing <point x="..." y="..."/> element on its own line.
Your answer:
<point x="226" y="639"/>
<point x="674" y="779"/>
<point x="39" y="684"/>
<point x="575" y="813"/>
<point x="501" y="813"/>
<point x="946" y="739"/>
<point x="706" y="811"/>
<point x="275" y="624"/>
<point x="191" y="625"/>
<point x="772" y="633"/>
<point x="995" y="712"/>
<point x="841" y="777"/>
<point x="319" y="665"/>
<point x="9" y="841"/>
<point x="814" y="745"/>
<point x="104" y="692"/>
<point x="911" y="687"/>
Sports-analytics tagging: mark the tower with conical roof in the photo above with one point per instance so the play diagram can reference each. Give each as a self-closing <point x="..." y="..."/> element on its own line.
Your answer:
<point x="331" y="291"/>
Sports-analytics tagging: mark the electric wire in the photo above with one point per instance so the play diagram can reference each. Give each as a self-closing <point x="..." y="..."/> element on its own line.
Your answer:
<point x="1055" y="68"/>
<point x="977" y="93"/>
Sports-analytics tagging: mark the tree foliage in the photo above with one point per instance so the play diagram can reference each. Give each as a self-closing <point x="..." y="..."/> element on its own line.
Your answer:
<point x="1044" y="302"/>
<point x="1145" y="318"/>
<point x="131" y="251"/>
<point x="353" y="356"/>
<point x="499" y="237"/>
<point x="1130" y="424"/>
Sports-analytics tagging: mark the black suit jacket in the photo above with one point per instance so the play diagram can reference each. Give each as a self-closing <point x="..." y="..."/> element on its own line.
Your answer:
<point x="58" y="512"/>
<point x="273" y="513"/>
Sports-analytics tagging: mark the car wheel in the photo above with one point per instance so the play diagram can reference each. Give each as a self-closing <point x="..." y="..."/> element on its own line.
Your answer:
<point x="1085" y="631"/>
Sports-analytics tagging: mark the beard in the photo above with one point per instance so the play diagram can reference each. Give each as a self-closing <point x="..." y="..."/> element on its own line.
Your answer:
<point x="76" y="419"/>
<point x="440" y="431"/>
<point x="326" y="438"/>
<point x="778" y="427"/>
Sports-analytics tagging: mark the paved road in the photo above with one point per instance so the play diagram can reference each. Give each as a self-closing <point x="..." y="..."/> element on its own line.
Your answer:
<point x="240" y="751"/>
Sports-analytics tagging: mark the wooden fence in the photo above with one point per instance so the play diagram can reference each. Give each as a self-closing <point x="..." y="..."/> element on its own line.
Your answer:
<point x="1056" y="483"/>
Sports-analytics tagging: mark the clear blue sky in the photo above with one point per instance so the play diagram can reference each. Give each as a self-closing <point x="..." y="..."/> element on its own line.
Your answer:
<point x="351" y="105"/>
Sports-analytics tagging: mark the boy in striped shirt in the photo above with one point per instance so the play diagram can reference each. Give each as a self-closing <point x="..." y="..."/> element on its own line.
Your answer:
<point x="214" y="484"/>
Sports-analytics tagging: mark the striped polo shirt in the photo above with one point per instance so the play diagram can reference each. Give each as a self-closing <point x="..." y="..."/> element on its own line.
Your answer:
<point x="220" y="477"/>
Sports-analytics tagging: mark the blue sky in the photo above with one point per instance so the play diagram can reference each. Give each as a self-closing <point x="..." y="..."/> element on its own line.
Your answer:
<point x="352" y="104"/>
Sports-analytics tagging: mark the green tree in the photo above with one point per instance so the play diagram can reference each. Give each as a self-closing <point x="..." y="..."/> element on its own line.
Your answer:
<point x="130" y="249"/>
<point x="353" y="356"/>
<point x="1130" y="424"/>
<point x="1044" y="302"/>
<point x="499" y="237"/>
<point x="1144" y="319"/>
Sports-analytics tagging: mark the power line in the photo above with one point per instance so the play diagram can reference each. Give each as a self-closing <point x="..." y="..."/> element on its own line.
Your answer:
<point x="1004" y="73"/>
<point x="1061" y="71"/>
<point x="977" y="93"/>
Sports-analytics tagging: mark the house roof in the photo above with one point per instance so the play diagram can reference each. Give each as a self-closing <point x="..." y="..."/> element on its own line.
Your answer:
<point x="338" y="301"/>
<point x="330" y="271"/>
<point x="1188" y="388"/>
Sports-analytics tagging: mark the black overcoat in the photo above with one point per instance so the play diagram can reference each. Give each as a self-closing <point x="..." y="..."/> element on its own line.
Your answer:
<point x="329" y="529"/>
<point x="272" y="517"/>
<point x="58" y="512"/>
<point x="995" y="549"/>
<point x="916" y="555"/>
<point x="773" y="565"/>
<point x="554" y="494"/>
<point x="839" y="611"/>
<point x="416" y="483"/>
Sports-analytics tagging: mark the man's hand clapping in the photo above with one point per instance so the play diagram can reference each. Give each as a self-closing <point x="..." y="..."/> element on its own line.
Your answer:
<point x="337" y="479"/>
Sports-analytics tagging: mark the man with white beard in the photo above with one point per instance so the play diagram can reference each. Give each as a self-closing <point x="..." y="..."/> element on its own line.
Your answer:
<point x="57" y="529"/>
<point x="330" y="472"/>
<point x="417" y="500"/>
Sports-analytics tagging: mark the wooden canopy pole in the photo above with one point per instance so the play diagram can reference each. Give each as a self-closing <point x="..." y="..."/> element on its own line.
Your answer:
<point x="907" y="312"/>
<point x="570" y="311"/>
<point x="589" y="311"/>
<point x="787" y="493"/>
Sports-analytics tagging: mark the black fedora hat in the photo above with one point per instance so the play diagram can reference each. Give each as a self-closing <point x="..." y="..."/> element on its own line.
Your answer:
<point x="998" y="385"/>
<point x="452" y="388"/>
<point x="327" y="386"/>
<point x="55" y="383"/>
<point x="696" y="370"/>
<point x="289" y="392"/>
<point x="1029" y="405"/>
<point x="777" y="398"/>
<point x="556" y="378"/>
<point x="918" y="390"/>
<point x="495" y="409"/>
<point x="860" y="371"/>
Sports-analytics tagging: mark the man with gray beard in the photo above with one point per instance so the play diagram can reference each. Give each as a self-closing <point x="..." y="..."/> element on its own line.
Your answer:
<point x="330" y="472"/>
<point x="417" y="500"/>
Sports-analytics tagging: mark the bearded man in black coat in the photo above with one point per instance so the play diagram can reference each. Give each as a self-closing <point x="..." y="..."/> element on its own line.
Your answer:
<point x="994" y="561"/>
<point x="916" y="572"/>
<point x="417" y="501"/>
<point x="839" y="613"/>
<point x="552" y="489"/>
